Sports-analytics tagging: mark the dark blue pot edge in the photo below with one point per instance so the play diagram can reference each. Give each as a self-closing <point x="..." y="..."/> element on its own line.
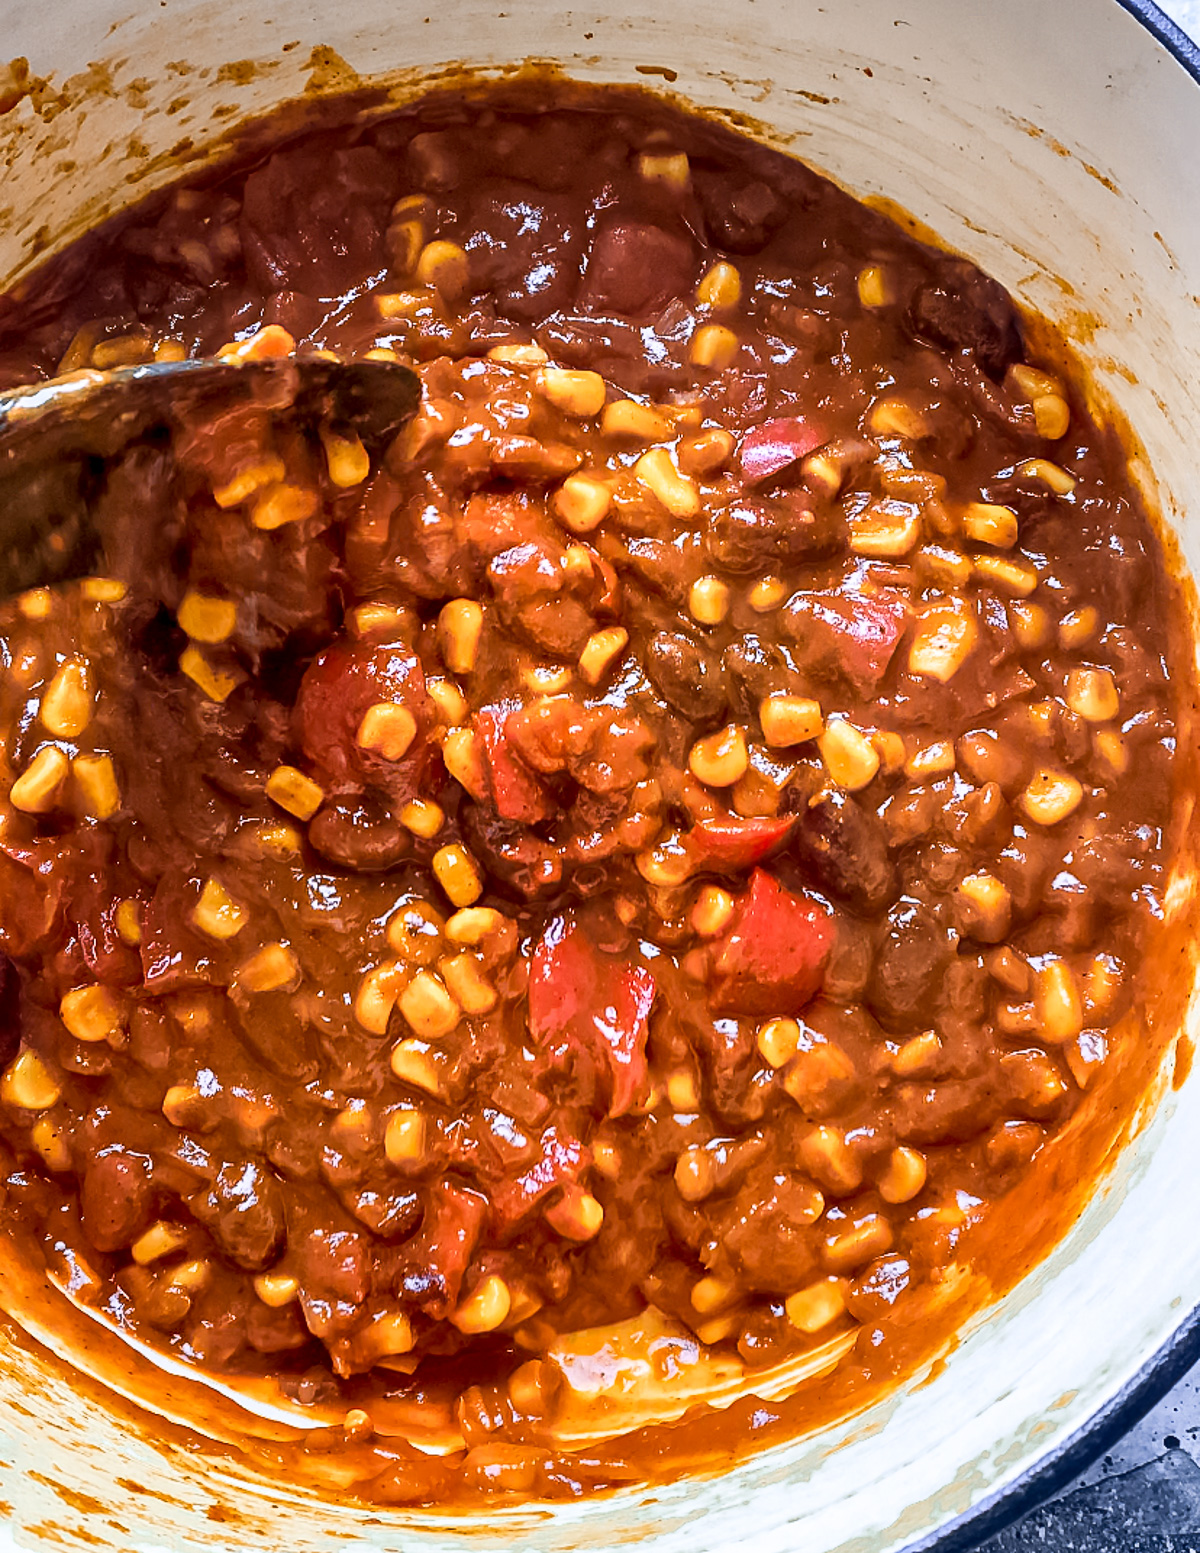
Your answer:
<point x="1172" y="37"/>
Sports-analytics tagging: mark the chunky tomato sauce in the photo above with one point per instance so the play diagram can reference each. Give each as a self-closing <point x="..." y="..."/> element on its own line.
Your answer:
<point x="647" y="867"/>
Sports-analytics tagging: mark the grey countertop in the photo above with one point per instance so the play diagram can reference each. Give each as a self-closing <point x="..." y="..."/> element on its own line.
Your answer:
<point x="1143" y="1496"/>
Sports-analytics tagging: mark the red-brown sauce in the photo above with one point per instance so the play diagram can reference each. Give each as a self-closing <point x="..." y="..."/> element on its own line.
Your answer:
<point x="662" y="859"/>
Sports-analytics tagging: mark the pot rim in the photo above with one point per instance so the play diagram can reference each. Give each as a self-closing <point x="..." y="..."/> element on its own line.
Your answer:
<point x="1167" y="1364"/>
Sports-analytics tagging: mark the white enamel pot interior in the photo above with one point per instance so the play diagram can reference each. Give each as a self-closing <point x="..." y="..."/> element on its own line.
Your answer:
<point x="1046" y="141"/>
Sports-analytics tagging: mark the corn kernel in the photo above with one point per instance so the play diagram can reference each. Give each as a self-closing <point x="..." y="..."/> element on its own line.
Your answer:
<point x="886" y="530"/>
<point x="66" y="707"/>
<point x="217" y="684"/>
<point x="787" y="720"/>
<point x="445" y="267"/>
<point x="1113" y="750"/>
<point x="36" y="604"/>
<point x="387" y="729"/>
<point x="945" y="637"/>
<point x="473" y="924"/>
<point x="449" y="701"/>
<point x="581" y="503"/>
<point x="216" y="913"/>
<point x="720" y="286"/>
<point x="986" y="906"/>
<point x="891" y="749"/>
<point x="278" y="505"/>
<point x="1092" y="694"/>
<point x="36" y="790"/>
<point x="377" y="994"/>
<point x="1016" y="578"/>
<point x="467" y="984"/>
<point x="601" y="651"/>
<point x="207" y="619"/>
<point x="768" y="593"/>
<point x="873" y="287"/>
<point x="129" y="923"/>
<point x="92" y="1014"/>
<point x="1052" y="416"/>
<point x="720" y="759"/>
<point x="460" y="625"/>
<point x="1057" y="1002"/>
<point x="778" y="1041"/>
<point x="412" y="1064"/>
<point x="917" y="1054"/>
<point x="423" y="817"/>
<point x="1051" y="796"/>
<point x="427" y="1007"/>
<point x="577" y="1215"/>
<point x="295" y="792"/>
<point x="269" y="969"/>
<point x="519" y="355"/>
<point x="247" y="481"/>
<point x="1030" y="383"/>
<point x="159" y="1240"/>
<point x="898" y="418"/>
<point x="49" y="1138"/>
<point x="276" y="1290"/>
<point x="170" y="350"/>
<point x="485" y="1309"/>
<point x="346" y="460"/>
<point x="676" y="492"/>
<point x="266" y="344"/>
<point x="950" y="569"/>
<point x="102" y="590"/>
<point x="708" y="600"/>
<point x="713" y="346"/>
<point x="1053" y="476"/>
<point x="669" y="167"/>
<point x="1077" y="627"/>
<point x="815" y="1307"/>
<point x="404" y="1137"/>
<point x="904" y="1177"/>
<point x="638" y="422"/>
<point x="987" y="523"/>
<point x="581" y="394"/>
<point x="462" y="759"/>
<point x="97" y="783"/>
<point x="1030" y="623"/>
<point x="415" y="932"/>
<point x="935" y="760"/>
<point x="28" y="1083"/>
<point x="850" y="757"/>
<point x="275" y="840"/>
<point x="454" y="869"/>
<point x="682" y="1095"/>
<point x="546" y="679"/>
<point x="828" y="1158"/>
<point x="712" y="911"/>
<point x="866" y="1239"/>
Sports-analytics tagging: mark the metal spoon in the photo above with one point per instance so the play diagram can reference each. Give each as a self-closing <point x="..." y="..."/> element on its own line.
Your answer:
<point x="59" y="439"/>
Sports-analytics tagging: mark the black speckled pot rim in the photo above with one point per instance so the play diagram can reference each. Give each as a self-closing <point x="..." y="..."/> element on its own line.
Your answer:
<point x="1170" y="1363"/>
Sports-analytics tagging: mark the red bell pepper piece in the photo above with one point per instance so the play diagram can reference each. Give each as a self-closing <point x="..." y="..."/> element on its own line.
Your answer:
<point x="772" y="450"/>
<point x="563" y="1159"/>
<point x="773" y="956"/>
<point x="516" y="791"/>
<point x="735" y="843"/>
<point x="586" y="1004"/>
<point x="854" y="633"/>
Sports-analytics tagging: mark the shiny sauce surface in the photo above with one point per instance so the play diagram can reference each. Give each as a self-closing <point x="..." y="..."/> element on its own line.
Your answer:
<point x="624" y="899"/>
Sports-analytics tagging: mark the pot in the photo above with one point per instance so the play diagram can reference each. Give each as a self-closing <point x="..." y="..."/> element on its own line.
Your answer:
<point x="1055" y="145"/>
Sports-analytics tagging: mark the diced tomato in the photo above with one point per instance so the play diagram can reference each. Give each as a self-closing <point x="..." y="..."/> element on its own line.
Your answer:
<point x="734" y="843"/>
<point x="772" y="959"/>
<point x="853" y="633"/>
<point x="31" y="898"/>
<point x="516" y="791"/>
<point x="586" y="1004"/>
<point x="772" y="450"/>
<point x="438" y="1255"/>
<point x="563" y="1159"/>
